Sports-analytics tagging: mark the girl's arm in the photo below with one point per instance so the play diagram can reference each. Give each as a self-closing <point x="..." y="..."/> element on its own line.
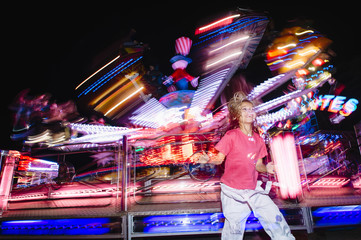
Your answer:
<point x="216" y="159"/>
<point x="260" y="167"/>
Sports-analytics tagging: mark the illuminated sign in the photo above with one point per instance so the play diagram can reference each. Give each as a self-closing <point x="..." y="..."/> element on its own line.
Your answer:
<point x="335" y="104"/>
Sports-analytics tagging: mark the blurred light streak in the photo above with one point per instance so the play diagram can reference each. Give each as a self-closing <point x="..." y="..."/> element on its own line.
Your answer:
<point x="207" y="89"/>
<point x="276" y="102"/>
<point x="95" y="129"/>
<point x="110" y="75"/>
<point x="108" y="91"/>
<point x="286" y="162"/>
<point x="293" y="65"/>
<point x="280" y="115"/>
<point x="111" y="61"/>
<point x="125" y="99"/>
<point x="221" y="22"/>
<point x="304" y="32"/>
<point x="145" y="114"/>
<point x="230" y="43"/>
<point x="225" y="58"/>
<point x="308" y="52"/>
<point x="276" y="53"/>
<point x="114" y="96"/>
<point x="287" y="45"/>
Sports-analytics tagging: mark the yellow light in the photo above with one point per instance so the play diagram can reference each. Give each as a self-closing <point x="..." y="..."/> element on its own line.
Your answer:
<point x="301" y="63"/>
<point x="113" y="87"/>
<point x="288" y="45"/>
<point x="109" y="90"/>
<point x="308" y="51"/>
<point x="125" y="99"/>
<point x="304" y="32"/>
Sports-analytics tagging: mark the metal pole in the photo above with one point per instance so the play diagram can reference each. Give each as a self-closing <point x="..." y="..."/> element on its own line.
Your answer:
<point x="307" y="218"/>
<point x="117" y="158"/>
<point x="123" y="206"/>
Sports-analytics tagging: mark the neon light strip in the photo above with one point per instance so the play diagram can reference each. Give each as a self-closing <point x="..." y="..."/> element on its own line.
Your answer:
<point x="280" y="115"/>
<point x="267" y="85"/>
<point x="225" y="58"/>
<point x="231" y="28"/>
<point x="230" y="43"/>
<point x="304" y="32"/>
<point x="288" y="45"/>
<point x="93" y="129"/>
<point x="331" y="183"/>
<point x="223" y="21"/>
<point x="75" y="226"/>
<point x="144" y="115"/>
<point x="279" y="101"/>
<point x="110" y="75"/>
<point x="103" y="78"/>
<point x="207" y="88"/>
<point x="337" y="215"/>
<point x="97" y="72"/>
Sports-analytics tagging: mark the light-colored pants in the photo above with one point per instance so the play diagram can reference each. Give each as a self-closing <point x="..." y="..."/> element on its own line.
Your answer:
<point x="237" y="206"/>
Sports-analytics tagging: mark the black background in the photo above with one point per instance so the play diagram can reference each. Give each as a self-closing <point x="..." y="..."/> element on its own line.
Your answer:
<point x="53" y="47"/>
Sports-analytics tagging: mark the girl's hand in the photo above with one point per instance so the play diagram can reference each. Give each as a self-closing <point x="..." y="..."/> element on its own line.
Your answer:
<point x="270" y="168"/>
<point x="204" y="158"/>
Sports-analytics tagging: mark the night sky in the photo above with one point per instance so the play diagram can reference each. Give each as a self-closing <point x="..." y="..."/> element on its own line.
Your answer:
<point x="53" y="47"/>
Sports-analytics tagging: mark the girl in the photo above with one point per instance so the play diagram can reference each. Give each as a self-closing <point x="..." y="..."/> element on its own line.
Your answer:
<point x="241" y="193"/>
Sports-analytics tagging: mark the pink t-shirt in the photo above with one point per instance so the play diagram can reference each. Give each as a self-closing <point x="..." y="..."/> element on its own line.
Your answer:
<point x="242" y="153"/>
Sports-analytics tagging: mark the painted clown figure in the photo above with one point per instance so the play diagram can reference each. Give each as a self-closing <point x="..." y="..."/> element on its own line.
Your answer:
<point x="180" y="78"/>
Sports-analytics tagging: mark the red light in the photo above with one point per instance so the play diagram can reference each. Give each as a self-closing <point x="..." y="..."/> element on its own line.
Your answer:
<point x="219" y="23"/>
<point x="276" y="53"/>
<point x="318" y="62"/>
<point x="302" y="72"/>
<point x="288" y="124"/>
<point x="310" y="94"/>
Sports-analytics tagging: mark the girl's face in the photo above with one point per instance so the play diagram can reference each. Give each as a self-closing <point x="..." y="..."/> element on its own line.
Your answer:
<point x="248" y="115"/>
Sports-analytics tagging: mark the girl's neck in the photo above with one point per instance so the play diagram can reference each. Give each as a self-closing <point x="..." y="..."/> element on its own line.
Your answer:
<point x="246" y="129"/>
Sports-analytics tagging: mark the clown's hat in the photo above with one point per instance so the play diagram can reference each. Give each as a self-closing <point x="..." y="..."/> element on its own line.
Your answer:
<point x="183" y="46"/>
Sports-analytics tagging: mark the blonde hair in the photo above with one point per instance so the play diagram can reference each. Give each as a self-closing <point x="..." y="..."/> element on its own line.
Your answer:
<point x="234" y="108"/>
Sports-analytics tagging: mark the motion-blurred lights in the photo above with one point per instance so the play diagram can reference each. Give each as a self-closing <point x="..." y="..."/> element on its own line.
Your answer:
<point x="122" y="101"/>
<point x="227" y="57"/>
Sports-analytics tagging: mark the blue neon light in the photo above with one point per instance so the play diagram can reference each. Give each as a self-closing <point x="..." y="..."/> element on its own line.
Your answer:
<point x="109" y="76"/>
<point x="229" y="29"/>
<point x="337" y="215"/>
<point x="306" y="39"/>
<point x="75" y="226"/>
<point x="192" y="223"/>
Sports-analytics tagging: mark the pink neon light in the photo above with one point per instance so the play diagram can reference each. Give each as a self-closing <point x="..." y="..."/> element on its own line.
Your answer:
<point x="186" y="186"/>
<point x="286" y="162"/>
<point x="6" y="180"/>
<point x="331" y="182"/>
